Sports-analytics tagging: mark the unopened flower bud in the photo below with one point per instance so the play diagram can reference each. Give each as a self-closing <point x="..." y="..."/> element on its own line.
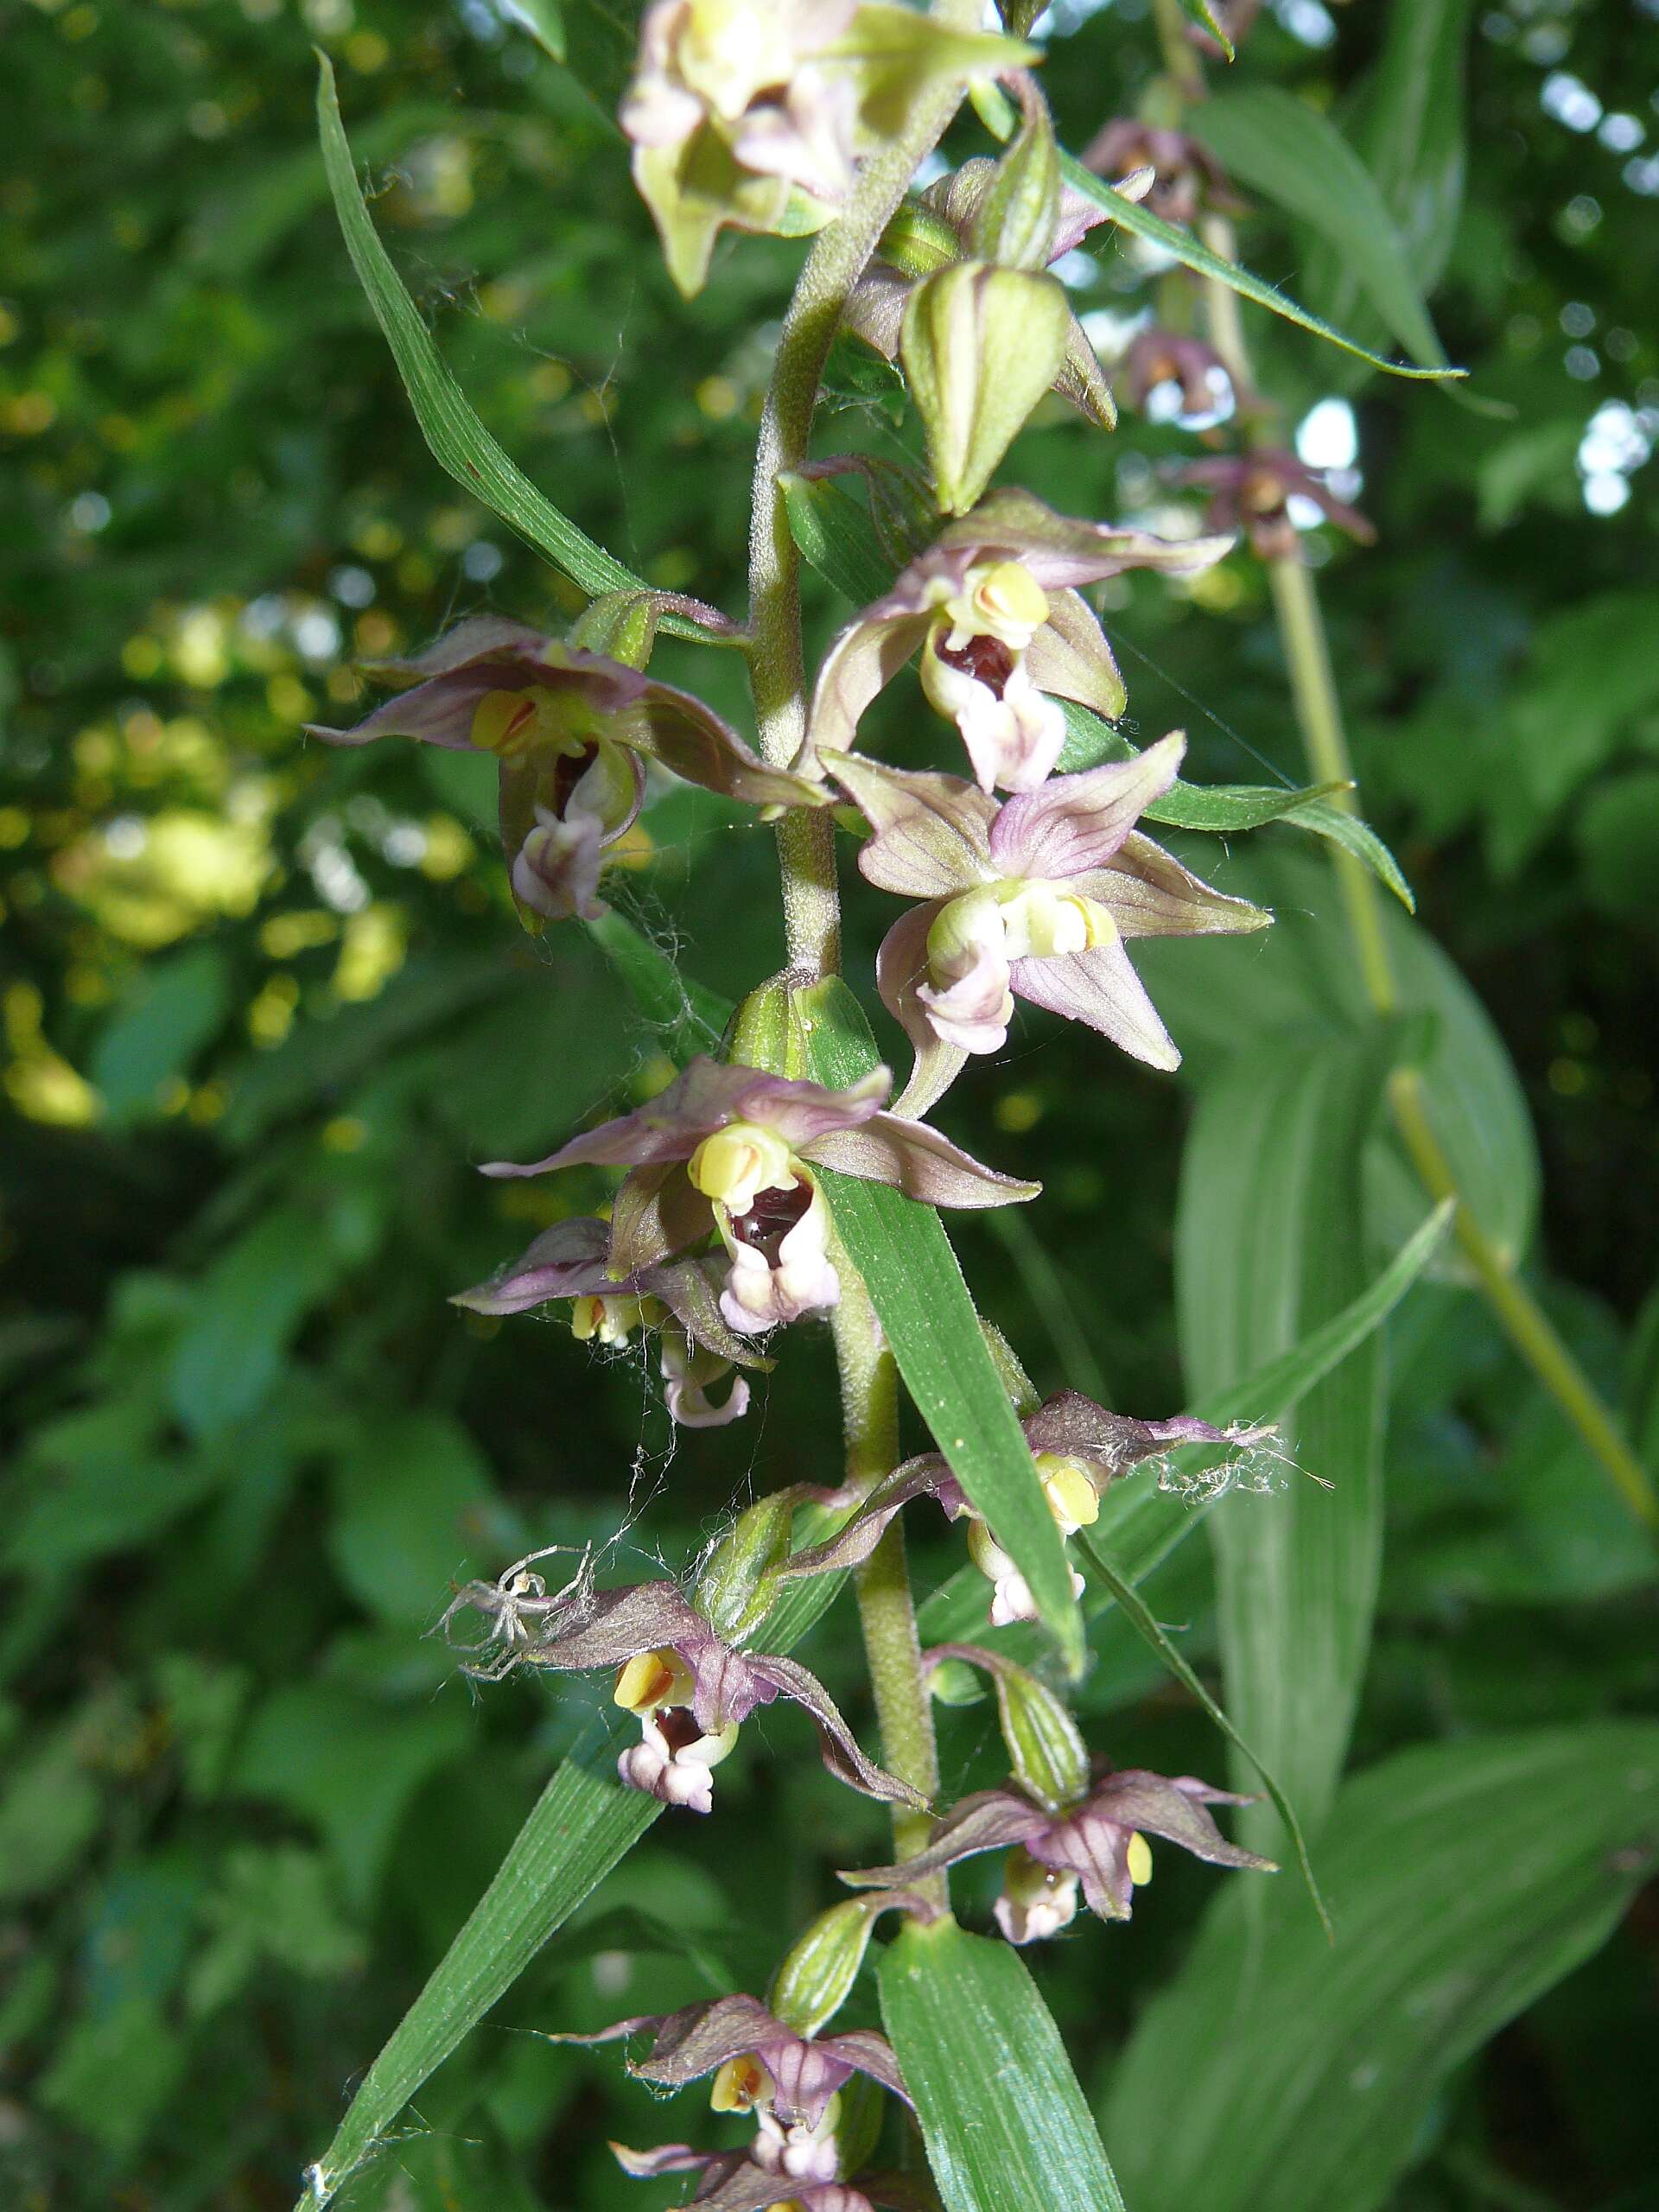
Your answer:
<point x="734" y="1590"/>
<point x="738" y="1163"/>
<point x="622" y="624"/>
<point x="816" y="1976"/>
<point x="1046" y="1751"/>
<point x="980" y="347"/>
<point x="1015" y="222"/>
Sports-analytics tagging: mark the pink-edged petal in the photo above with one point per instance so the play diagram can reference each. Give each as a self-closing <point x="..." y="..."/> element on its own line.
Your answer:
<point x="991" y="1820"/>
<point x="568" y="1260"/>
<point x="481" y="637"/>
<point x="1148" y="893"/>
<point x="1058" y="549"/>
<point x="678" y="2158"/>
<point x="931" y="833"/>
<point x="690" y="1289"/>
<point x="1070" y="657"/>
<point x="900" y="968"/>
<point x="1077" y="823"/>
<point x="836" y="1739"/>
<point x="1112" y="1444"/>
<point x="918" y="1161"/>
<point x="1173" y="1807"/>
<point x="925" y="1476"/>
<point x="861" y="662"/>
<point x="1100" y="988"/>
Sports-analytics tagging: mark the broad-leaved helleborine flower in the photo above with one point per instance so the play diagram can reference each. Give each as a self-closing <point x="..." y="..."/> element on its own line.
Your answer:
<point x="1185" y="174"/>
<point x="991" y="609"/>
<point x="1101" y="1842"/>
<point x="1032" y="898"/>
<point x="1253" y="491"/>
<point x="679" y="1299"/>
<point x="571" y="731"/>
<point x="750" y="2180"/>
<point x="1171" y="377"/>
<point x="689" y="1689"/>
<point x="754" y="113"/>
<point x="732" y="1149"/>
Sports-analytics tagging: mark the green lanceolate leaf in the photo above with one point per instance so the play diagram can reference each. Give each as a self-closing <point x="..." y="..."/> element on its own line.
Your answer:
<point x="582" y="1824"/>
<point x="1269" y="1240"/>
<point x="1141" y="1522"/>
<point x="1006" y="2125"/>
<point x="1227" y="809"/>
<point x="1139" y="1617"/>
<point x="688" y="1017"/>
<point x="1184" y="247"/>
<point x="834" y="532"/>
<point x="1277" y="145"/>
<point x="459" y="442"/>
<point x="1201" y="12"/>
<point x="903" y="1254"/>
<point x="1464" y="1879"/>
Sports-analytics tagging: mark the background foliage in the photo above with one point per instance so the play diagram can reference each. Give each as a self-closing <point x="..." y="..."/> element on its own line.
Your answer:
<point x="265" y="1007"/>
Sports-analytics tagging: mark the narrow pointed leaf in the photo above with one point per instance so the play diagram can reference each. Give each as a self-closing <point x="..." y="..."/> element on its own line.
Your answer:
<point x="459" y="442"/>
<point x="833" y="531"/>
<point x="902" y="1251"/>
<point x="1006" y="2127"/>
<point x="1188" y="250"/>
<point x="1465" y="1879"/>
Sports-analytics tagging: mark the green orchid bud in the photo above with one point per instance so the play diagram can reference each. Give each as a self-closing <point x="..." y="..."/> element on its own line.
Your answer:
<point x="622" y="624"/>
<point x="734" y="1591"/>
<point x="953" y="1681"/>
<point x="918" y="240"/>
<point x="1045" y="1748"/>
<point x="816" y="1977"/>
<point x="1015" y="222"/>
<point x="980" y="347"/>
<point x="766" y="1030"/>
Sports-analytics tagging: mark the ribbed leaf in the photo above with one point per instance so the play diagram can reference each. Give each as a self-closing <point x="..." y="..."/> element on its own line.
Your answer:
<point x="835" y="534"/>
<point x="1268" y="1244"/>
<point x="1183" y="246"/>
<point x="459" y="442"/>
<point x="1277" y="145"/>
<point x="1006" y="2125"/>
<point x="1279" y="2075"/>
<point x="901" y="1250"/>
<point x="582" y="1824"/>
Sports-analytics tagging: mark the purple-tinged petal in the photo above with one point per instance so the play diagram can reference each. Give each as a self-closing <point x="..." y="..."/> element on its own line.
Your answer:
<point x="1099" y="1852"/>
<point x="840" y="1748"/>
<point x="481" y="637"/>
<point x="925" y="1476"/>
<point x="863" y="2049"/>
<point x="1075" y="1427"/>
<point x="931" y="833"/>
<point x="918" y="1161"/>
<point x="1173" y="1807"/>
<point x="568" y="1260"/>
<point x="861" y="662"/>
<point x="1075" y="823"/>
<point x="1058" y="549"/>
<point x="1100" y="988"/>
<point x="750" y="2188"/>
<point x="991" y="1820"/>
<point x="690" y="1289"/>
<point x="1148" y="893"/>
<point x="900" y="968"/>
<point x="678" y="2158"/>
<point x="606" y="1627"/>
<point x="657" y="1212"/>
<point x="1070" y="657"/>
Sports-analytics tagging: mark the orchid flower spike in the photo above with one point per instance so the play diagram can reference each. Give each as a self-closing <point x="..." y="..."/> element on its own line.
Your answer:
<point x="1032" y="899"/>
<point x="991" y="607"/>
<point x="754" y="112"/>
<point x="732" y="1149"/>
<point x="1101" y="1842"/>
<point x="572" y="732"/>
<point x="679" y="1299"/>
<point x="689" y="1689"/>
<point x="1253" y="491"/>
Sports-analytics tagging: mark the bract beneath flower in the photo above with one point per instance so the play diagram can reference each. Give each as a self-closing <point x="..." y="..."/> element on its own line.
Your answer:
<point x="571" y="731"/>
<point x="993" y="607"/>
<point x="1032" y="899"/>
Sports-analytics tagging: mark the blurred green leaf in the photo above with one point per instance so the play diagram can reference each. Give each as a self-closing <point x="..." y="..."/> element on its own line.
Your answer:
<point x="1006" y="2125"/>
<point x="177" y="1006"/>
<point x="411" y="1496"/>
<point x="1276" y="145"/>
<point x="1269" y="1242"/>
<point x="49" y="1812"/>
<point x="252" y="1301"/>
<point x="1464" y="1879"/>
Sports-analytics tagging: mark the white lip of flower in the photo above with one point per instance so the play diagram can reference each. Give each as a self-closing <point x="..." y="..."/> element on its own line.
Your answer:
<point x="1013" y="736"/>
<point x="802" y="2153"/>
<point x="976" y="939"/>
<point x="1037" y="1901"/>
<point x="1011" y="1598"/>
<point x="688" y="1372"/>
<point x="762" y="1292"/>
<point x="608" y="1320"/>
<point x="680" y="1774"/>
<point x="737" y="1163"/>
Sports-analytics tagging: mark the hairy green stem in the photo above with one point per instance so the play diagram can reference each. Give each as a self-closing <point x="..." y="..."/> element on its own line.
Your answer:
<point x="869" y="1384"/>
<point x="1318" y="713"/>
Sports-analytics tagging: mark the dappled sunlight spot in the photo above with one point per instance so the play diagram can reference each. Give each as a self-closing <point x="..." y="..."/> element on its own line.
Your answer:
<point x="39" y="1082"/>
<point x="375" y="941"/>
<point x="270" y="1015"/>
<point x="149" y="881"/>
<point x="283" y="935"/>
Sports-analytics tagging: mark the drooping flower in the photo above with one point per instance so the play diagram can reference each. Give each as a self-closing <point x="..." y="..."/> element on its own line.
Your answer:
<point x="679" y="1299"/>
<point x="690" y="1689"/>
<point x="732" y="1149"/>
<point x="1033" y="897"/>
<point x="1101" y="1842"/>
<point x="1078" y="1448"/>
<point x="1185" y="174"/>
<point x="938" y="229"/>
<point x="749" y="2181"/>
<point x="571" y="731"/>
<point x="734" y="103"/>
<point x="1253" y="491"/>
<point x="991" y="609"/>
<point x="1159" y="362"/>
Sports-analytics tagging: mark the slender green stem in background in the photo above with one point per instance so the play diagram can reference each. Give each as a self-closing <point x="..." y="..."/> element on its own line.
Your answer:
<point x="869" y="1382"/>
<point x="1319" y="712"/>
